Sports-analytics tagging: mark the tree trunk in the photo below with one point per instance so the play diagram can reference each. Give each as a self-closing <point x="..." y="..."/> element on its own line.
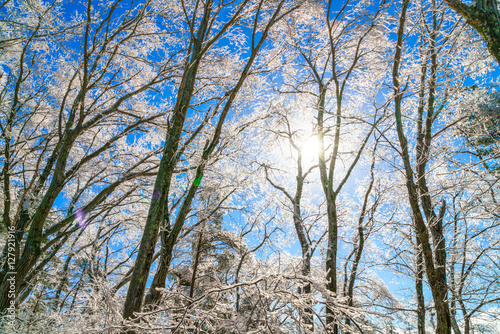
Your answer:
<point x="326" y="177"/>
<point x="419" y="290"/>
<point x="358" y="250"/>
<point x="196" y="262"/>
<point x="304" y="243"/>
<point x="484" y="16"/>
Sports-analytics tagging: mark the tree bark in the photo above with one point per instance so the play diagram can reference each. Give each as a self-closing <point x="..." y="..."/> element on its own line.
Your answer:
<point x="419" y="285"/>
<point x="484" y="16"/>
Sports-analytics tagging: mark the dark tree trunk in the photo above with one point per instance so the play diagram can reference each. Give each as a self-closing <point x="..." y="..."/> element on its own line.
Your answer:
<point x="419" y="289"/>
<point x="484" y="16"/>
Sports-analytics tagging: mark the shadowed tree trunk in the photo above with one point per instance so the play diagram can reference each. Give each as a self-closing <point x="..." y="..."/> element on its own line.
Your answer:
<point x="484" y="16"/>
<point x="362" y="235"/>
<point x="419" y="289"/>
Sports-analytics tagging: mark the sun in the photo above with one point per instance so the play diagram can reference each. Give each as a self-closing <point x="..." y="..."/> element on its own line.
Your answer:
<point x="310" y="149"/>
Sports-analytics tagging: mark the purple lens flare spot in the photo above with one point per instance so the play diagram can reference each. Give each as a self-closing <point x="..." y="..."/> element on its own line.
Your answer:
<point x="156" y="194"/>
<point x="80" y="219"/>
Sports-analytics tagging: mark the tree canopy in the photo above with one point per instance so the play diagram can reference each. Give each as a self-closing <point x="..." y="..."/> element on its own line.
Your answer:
<point x="249" y="166"/>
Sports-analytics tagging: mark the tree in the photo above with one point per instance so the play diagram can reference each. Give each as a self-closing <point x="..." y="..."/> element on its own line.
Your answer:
<point x="436" y="271"/>
<point x="73" y="117"/>
<point x="434" y="94"/>
<point x="480" y="127"/>
<point x="334" y="62"/>
<point x="297" y="142"/>
<point x="472" y="274"/>
<point x="484" y="16"/>
<point x="285" y="166"/>
<point x="201" y="41"/>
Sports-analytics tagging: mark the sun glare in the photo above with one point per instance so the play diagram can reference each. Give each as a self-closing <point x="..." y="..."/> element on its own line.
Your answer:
<point x="310" y="149"/>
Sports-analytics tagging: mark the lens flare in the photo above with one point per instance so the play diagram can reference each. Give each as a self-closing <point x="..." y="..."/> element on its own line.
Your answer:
<point x="80" y="219"/>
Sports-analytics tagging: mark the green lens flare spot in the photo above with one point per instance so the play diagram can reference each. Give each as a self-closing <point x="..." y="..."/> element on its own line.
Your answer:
<point x="197" y="181"/>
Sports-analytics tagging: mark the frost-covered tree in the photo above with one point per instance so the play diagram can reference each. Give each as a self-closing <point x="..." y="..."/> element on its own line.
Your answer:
<point x="73" y="91"/>
<point x="247" y="166"/>
<point x="205" y="31"/>
<point x="435" y="90"/>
